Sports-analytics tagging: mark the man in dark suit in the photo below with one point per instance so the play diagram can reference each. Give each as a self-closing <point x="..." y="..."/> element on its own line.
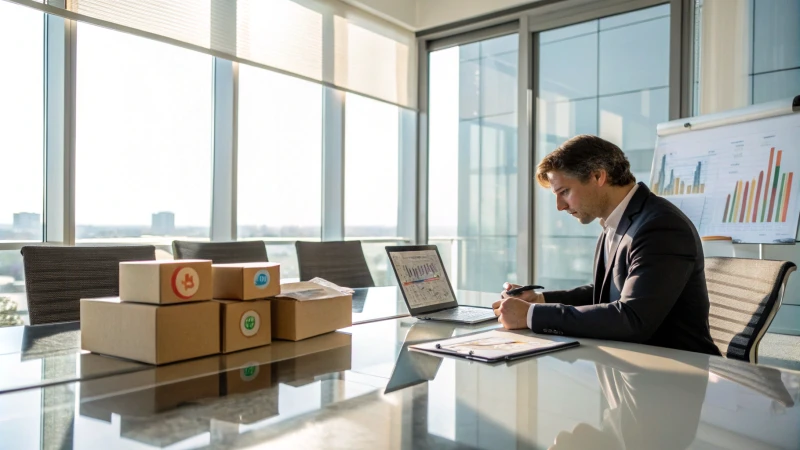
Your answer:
<point x="649" y="286"/>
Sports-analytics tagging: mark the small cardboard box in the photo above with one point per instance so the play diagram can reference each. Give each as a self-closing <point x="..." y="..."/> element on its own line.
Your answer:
<point x="245" y="324"/>
<point x="149" y="333"/>
<point x="307" y="309"/>
<point x="165" y="281"/>
<point x="246" y="281"/>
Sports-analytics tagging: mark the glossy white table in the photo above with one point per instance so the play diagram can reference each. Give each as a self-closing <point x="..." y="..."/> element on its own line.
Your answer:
<point x="361" y="388"/>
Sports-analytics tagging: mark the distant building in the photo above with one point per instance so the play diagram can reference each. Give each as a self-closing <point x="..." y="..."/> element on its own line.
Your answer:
<point x="163" y="223"/>
<point x="27" y="222"/>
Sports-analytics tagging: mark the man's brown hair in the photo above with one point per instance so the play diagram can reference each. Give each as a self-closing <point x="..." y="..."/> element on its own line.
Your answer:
<point x="582" y="155"/>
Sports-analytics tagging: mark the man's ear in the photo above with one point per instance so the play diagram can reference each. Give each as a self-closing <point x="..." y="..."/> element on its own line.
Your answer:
<point x="600" y="176"/>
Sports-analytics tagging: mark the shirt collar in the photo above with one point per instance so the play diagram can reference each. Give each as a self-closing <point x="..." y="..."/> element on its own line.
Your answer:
<point x="616" y="215"/>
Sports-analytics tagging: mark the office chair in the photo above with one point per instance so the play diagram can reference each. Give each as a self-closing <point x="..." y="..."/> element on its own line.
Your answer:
<point x="221" y="252"/>
<point x="340" y="262"/>
<point x="56" y="278"/>
<point x="745" y="295"/>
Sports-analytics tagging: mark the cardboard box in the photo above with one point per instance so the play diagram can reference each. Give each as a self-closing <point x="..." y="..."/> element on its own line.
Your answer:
<point x="307" y="309"/>
<point x="165" y="282"/>
<point x="149" y="333"/>
<point x="246" y="281"/>
<point x="244" y="324"/>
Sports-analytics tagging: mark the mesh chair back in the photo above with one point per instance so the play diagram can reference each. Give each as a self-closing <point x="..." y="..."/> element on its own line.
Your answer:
<point x="744" y="294"/>
<point x="221" y="252"/>
<point x="56" y="278"/>
<point x="341" y="262"/>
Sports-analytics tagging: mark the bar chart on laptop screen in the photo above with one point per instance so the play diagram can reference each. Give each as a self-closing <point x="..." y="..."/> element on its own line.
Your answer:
<point x="422" y="278"/>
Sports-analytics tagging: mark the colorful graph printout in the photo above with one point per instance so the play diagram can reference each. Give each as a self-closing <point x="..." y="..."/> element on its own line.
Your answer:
<point x="735" y="180"/>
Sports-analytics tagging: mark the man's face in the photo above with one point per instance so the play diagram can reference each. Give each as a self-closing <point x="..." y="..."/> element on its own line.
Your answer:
<point x="583" y="201"/>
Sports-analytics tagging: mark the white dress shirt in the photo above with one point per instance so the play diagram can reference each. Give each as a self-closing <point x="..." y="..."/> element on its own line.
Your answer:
<point x="609" y="229"/>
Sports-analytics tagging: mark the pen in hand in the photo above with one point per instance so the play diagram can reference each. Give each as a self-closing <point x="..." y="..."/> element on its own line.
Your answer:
<point x="522" y="289"/>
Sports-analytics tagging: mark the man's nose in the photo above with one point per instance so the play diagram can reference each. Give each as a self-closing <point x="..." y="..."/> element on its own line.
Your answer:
<point x="561" y="205"/>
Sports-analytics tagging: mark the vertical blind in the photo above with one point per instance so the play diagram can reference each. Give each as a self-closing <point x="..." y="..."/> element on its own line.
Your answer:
<point x="322" y="40"/>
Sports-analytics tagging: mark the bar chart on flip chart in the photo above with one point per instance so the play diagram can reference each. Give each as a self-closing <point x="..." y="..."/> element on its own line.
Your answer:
<point x="735" y="180"/>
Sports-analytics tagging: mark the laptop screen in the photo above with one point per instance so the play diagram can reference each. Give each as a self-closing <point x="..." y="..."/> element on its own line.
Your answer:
<point x="422" y="278"/>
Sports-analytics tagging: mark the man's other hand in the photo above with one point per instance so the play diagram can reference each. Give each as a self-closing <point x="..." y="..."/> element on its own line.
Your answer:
<point x="513" y="313"/>
<point x="528" y="296"/>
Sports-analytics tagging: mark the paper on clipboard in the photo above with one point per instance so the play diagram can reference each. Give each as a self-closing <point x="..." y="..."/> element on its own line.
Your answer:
<point x="493" y="345"/>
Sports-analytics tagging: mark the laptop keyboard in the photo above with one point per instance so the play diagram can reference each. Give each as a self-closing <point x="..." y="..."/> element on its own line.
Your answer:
<point x="464" y="314"/>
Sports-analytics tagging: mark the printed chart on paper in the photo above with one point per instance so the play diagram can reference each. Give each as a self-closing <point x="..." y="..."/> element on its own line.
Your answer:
<point x="735" y="180"/>
<point x="422" y="277"/>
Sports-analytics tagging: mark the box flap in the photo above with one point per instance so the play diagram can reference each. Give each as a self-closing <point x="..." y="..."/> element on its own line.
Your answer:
<point x="305" y="291"/>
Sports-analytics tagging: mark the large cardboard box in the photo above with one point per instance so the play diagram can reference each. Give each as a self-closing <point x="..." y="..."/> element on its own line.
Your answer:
<point x="307" y="309"/>
<point x="165" y="281"/>
<point x="149" y="333"/>
<point x="246" y="281"/>
<point x="245" y="324"/>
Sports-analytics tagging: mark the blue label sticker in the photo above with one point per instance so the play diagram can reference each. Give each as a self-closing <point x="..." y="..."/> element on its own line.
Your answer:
<point x="261" y="280"/>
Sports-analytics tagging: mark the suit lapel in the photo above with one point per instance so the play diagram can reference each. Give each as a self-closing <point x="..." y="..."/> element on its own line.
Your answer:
<point x="634" y="206"/>
<point x="599" y="268"/>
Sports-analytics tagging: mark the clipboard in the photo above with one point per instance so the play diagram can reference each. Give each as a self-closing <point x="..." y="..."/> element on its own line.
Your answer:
<point x="495" y="346"/>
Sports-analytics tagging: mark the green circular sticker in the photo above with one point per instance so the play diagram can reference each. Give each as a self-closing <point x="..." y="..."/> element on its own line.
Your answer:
<point x="250" y="323"/>
<point x="248" y="372"/>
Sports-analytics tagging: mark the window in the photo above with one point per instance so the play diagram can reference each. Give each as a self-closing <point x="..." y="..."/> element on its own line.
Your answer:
<point x="21" y="123"/>
<point x="372" y="139"/>
<point x="472" y="184"/>
<point x="13" y="305"/>
<point x="143" y="139"/>
<point x="746" y="52"/>
<point x="607" y="77"/>
<point x="279" y="163"/>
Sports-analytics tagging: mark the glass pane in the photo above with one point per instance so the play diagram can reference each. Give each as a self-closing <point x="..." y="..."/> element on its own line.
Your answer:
<point x="371" y="168"/>
<point x="746" y="53"/>
<point x="286" y="256"/>
<point x="776" y="36"/>
<point x="21" y="122"/>
<point x="13" y="304"/>
<point x="568" y="68"/>
<point x="378" y="262"/>
<point x="571" y="31"/>
<point x="473" y="161"/>
<point x="634" y="56"/>
<point x="143" y="158"/>
<point x="371" y="191"/>
<point x="634" y="17"/>
<point x="630" y="120"/>
<point x="776" y="85"/>
<point x="564" y="247"/>
<point x="280" y="157"/>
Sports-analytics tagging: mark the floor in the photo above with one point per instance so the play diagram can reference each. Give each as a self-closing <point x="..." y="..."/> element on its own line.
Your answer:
<point x="780" y="350"/>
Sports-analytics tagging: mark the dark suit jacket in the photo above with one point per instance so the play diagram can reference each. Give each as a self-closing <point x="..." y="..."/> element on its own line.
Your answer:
<point x="654" y="291"/>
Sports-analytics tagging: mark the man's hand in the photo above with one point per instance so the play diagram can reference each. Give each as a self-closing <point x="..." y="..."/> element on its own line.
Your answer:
<point x="513" y="313"/>
<point x="528" y="296"/>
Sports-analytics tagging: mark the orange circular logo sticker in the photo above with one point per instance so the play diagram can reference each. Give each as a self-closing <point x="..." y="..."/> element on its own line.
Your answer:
<point x="185" y="282"/>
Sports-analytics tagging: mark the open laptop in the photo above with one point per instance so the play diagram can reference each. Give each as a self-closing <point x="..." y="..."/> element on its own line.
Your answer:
<point x="426" y="288"/>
